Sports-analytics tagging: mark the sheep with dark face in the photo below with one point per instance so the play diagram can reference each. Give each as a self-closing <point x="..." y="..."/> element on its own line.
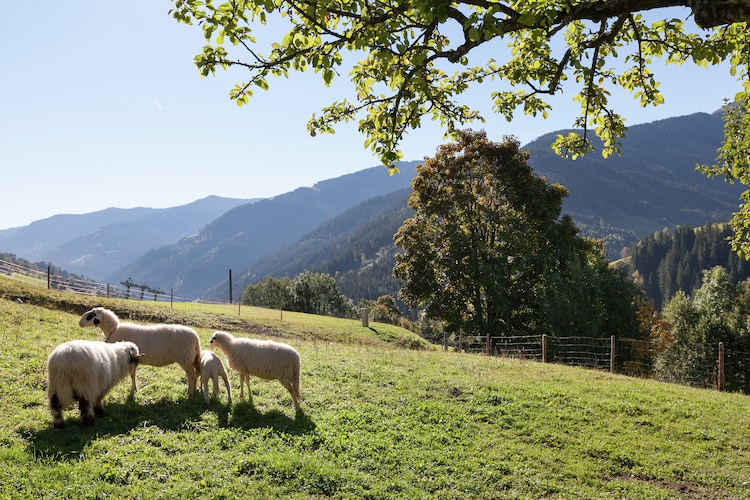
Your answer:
<point x="162" y="344"/>
<point x="85" y="371"/>
<point x="266" y="359"/>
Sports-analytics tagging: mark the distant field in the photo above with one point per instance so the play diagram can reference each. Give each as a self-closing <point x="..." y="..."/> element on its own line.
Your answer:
<point x="378" y="421"/>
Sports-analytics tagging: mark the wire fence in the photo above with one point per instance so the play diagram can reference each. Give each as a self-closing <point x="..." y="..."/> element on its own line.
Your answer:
<point x="726" y="369"/>
<point x="124" y="290"/>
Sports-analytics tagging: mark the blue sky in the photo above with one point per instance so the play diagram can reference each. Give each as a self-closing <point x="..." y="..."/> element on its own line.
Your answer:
<point x="101" y="106"/>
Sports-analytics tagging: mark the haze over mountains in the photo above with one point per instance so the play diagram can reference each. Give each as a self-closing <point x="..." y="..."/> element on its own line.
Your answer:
<point x="345" y="225"/>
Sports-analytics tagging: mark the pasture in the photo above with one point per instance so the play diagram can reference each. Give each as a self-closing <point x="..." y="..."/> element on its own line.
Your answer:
<point x="378" y="421"/>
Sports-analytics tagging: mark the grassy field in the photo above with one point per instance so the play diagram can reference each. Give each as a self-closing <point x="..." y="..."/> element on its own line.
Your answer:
<point x="378" y="421"/>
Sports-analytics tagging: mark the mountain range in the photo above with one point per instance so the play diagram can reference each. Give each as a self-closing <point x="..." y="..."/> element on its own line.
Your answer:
<point x="344" y="226"/>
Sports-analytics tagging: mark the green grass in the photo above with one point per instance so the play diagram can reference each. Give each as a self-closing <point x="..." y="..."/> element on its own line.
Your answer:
<point x="378" y="421"/>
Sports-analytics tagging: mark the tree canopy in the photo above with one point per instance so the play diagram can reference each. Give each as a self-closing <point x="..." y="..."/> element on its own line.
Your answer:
<point x="488" y="251"/>
<point x="414" y="56"/>
<point x="411" y="60"/>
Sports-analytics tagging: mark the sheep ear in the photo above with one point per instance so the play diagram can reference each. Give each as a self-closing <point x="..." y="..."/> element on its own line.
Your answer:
<point x="97" y="321"/>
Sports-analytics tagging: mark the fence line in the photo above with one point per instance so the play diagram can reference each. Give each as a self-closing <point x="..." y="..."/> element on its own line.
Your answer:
<point x="618" y="355"/>
<point x="621" y="355"/>
<point x="88" y="287"/>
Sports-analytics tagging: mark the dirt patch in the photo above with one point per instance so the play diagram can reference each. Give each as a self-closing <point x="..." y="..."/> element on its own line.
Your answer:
<point x="687" y="490"/>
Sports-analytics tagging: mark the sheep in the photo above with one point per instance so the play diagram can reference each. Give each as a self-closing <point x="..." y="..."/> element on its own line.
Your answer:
<point x="85" y="371"/>
<point x="266" y="359"/>
<point x="211" y="369"/>
<point x="163" y="344"/>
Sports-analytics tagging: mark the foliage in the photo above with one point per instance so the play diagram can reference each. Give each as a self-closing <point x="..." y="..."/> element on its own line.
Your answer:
<point x="272" y="292"/>
<point x="318" y="293"/>
<point x="418" y="58"/>
<point x="733" y="162"/>
<point x="666" y="262"/>
<point x="384" y="309"/>
<point x="716" y="312"/>
<point x="312" y="293"/>
<point x="488" y="251"/>
<point x="372" y="426"/>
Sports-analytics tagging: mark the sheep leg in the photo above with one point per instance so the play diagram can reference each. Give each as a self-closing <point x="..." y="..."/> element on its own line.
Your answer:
<point x="204" y="387"/>
<point x="215" y="380"/>
<point x="293" y="392"/>
<point x="133" y="388"/>
<point x="87" y="412"/>
<point x="190" y="373"/>
<point x="245" y="379"/>
<point x="98" y="408"/>
<point x="229" y="390"/>
<point x="56" y="410"/>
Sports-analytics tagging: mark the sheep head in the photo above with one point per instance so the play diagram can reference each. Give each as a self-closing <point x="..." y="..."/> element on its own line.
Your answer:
<point x="220" y="339"/>
<point x="134" y="353"/>
<point x="105" y="319"/>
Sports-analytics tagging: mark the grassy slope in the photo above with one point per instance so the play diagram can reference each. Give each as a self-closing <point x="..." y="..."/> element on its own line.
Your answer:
<point x="378" y="422"/>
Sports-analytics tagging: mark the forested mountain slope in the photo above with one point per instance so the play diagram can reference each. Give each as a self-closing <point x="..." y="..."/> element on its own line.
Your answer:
<point x="667" y="261"/>
<point x="195" y="266"/>
<point x="356" y="247"/>
<point x="652" y="185"/>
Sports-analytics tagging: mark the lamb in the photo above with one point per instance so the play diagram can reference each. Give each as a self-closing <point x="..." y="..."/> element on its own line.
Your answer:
<point x="266" y="359"/>
<point x="211" y="369"/>
<point x="162" y="344"/>
<point x="85" y="371"/>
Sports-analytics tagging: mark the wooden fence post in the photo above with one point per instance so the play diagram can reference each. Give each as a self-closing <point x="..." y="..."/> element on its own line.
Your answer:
<point x="488" y="347"/>
<point x="230" y="286"/>
<point x="544" y="348"/>
<point x="612" y="354"/>
<point x="720" y="377"/>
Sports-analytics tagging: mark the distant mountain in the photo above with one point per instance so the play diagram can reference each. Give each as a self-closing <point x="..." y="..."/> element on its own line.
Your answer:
<point x="356" y="247"/>
<point x="96" y="243"/>
<point x="196" y="264"/>
<point x="344" y="226"/>
<point x="652" y="185"/>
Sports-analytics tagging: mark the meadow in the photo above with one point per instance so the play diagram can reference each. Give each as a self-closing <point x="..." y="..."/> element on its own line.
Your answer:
<point x="383" y="416"/>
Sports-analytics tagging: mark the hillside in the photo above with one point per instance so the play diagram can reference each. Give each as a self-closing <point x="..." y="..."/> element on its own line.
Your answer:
<point x="96" y="243"/>
<point x="356" y="247"/>
<point x="246" y="233"/>
<point x="651" y="186"/>
<point x="619" y="200"/>
<point x="376" y="422"/>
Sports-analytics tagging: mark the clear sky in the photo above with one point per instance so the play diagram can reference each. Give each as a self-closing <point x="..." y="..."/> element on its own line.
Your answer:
<point x="101" y="106"/>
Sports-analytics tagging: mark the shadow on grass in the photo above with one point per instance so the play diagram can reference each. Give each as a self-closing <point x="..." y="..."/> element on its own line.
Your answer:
<point x="245" y="416"/>
<point x="185" y="414"/>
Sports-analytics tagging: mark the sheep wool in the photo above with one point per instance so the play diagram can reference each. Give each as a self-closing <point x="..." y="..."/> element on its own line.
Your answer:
<point x="85" y="371"/>
<point x="211" y="369"/>
<point x="265" y="359"/>
<point x="162" y="345"/>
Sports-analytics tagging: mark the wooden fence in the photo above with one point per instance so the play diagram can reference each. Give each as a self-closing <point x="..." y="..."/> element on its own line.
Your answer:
<point x="618" y="355"/>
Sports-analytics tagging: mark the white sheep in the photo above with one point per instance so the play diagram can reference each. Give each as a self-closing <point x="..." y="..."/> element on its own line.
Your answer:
<point x="211" y="369"/>
<point x="85" y="371"/>
<point x="162" y="344"/>
<point x="266" y="359"/>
